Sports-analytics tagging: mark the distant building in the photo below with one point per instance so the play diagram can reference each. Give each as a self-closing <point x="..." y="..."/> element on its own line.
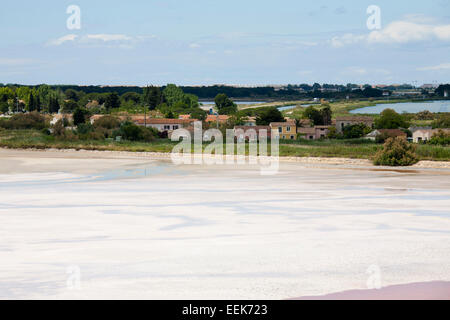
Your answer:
<point x="425" y="134"/>
<point x="243" y="133"/>
<point x="287" y="130"/>
<point x="391" y="133"/>
<point x="249" y="121"/>
<point x="164" y="125"/>
<point x="321" y="132"/>
<point x="307" y="133"/>
<point x="61" y="116"/>
<point x="217" y="118"/>
<point x="342" y="122"/>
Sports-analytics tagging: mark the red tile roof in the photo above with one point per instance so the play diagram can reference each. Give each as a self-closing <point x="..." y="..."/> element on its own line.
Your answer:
<point x="164" y="121"/>
<point x="220" y="118"/>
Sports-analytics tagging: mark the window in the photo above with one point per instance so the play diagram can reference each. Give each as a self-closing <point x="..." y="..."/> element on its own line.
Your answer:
<point x="176" y="127"/>
<point x="288" y="129"/>
<point x="311" y="137"/>
<point x="284" y="137"/>
<point x="166" y="127"/>
<point x="280" y="129"/>
<point x="292" y="138"/>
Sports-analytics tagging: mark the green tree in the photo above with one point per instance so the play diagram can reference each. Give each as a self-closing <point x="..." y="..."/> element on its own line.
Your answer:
<point x="131" y="96"/>
<point x="198" y="114"/>
<point x="442" y="121"/>
<point x="314" y="115"/>
<point x="440" y="138"/>
<point x="173" y="94"/>
<point x="355" y="131"/>
<point x="71" y="95"/>
<point x="53" y="104"/>
<point x="112" y="101"/>
<point x="326" y="115"/>
<point x="80" y="116"/>
<point x="153" y="97"/>
<point x="389" y="119"/>
<point x="31" y="102"/>
<point x="69" y="106"/>
<point x="269" y="115"/>
<point x="4" y="107"/>
<point x="224" y="104"/>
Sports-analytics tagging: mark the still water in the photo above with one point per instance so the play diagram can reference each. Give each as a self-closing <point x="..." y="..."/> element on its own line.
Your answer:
<point x="410" y="107"/>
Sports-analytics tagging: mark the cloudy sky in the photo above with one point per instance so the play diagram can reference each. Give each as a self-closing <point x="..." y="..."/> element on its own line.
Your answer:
<point x="247" y="42"/>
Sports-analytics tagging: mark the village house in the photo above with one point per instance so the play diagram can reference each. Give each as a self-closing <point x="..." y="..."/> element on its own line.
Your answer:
<point x="164" y="125"/>
<point x="243" y="133"/>
<point x="425" y="134"/>
<point x="307" y="133"/>
<point x="217" y="119"/>
<point x="287" y="130"/>
<point x="61" y="116"/>
<point x="321" y="132"/>
<point x="249" y="121"/>
<point x="342" y="122"/>
<point x="391" y="133"/>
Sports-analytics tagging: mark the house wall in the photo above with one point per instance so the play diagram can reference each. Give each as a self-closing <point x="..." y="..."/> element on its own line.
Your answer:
<point x="286" y="132"/>
<point x="422" y="135"/>
<point x="321" y="133"/>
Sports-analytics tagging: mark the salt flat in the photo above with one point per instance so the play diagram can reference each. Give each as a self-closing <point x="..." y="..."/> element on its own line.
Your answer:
<point x="87" y="226"/>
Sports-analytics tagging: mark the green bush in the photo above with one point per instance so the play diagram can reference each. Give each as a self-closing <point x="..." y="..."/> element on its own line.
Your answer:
<point x="396" y="152"/>
<point x="355" y="131"/>
<point x="107" y="122"/>
<point x="130" y="131"/>
<point x="440" y="138"/>
<point x="32" y="120"/>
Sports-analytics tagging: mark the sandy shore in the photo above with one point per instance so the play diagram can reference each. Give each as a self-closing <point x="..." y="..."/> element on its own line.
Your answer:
<point x="438" y="290"/>
<point x="89" y="154"/>
<point x="120" y="225"/>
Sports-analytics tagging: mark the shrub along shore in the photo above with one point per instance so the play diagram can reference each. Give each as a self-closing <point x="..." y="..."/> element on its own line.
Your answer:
<point x="354" y="149"/>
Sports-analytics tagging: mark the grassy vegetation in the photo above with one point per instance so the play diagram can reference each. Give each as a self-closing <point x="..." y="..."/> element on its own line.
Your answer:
<point x="357" y="149"/>
<point x="343" y="108"/>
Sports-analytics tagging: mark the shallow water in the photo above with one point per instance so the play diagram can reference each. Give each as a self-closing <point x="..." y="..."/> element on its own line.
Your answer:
<point x="409" y="107"/>
<point x="149" y="229"/>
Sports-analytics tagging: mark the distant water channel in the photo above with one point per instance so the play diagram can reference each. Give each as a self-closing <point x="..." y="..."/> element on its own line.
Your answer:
<point x="409" y="107"/>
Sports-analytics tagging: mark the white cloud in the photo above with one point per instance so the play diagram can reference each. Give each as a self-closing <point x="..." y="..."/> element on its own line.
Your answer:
<point x="346" y="39"/>
<point x="194" y="45"/>
<point x="60" y="41"/>
<point x="440" y="67"/>
<point x="107" y="37"/>
<point x="116" y="40"/>
<point x="402" y="32"/>
<point x="397" y="32"/>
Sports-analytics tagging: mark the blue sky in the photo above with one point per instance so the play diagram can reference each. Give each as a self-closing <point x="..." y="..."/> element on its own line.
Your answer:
<point x="246" y="42"/>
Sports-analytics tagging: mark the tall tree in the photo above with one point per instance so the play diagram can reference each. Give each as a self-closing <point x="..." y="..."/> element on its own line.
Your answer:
<point x="173" y="94"/>
<point x="389" y="119"/>
<point x="152" y="97"/>
<point x="31" y="103"/>
<point x="53" y="105"/>
<point x="112" y="101"/>
<point x="224" y="104"/>
<point x="326" y="115"/>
